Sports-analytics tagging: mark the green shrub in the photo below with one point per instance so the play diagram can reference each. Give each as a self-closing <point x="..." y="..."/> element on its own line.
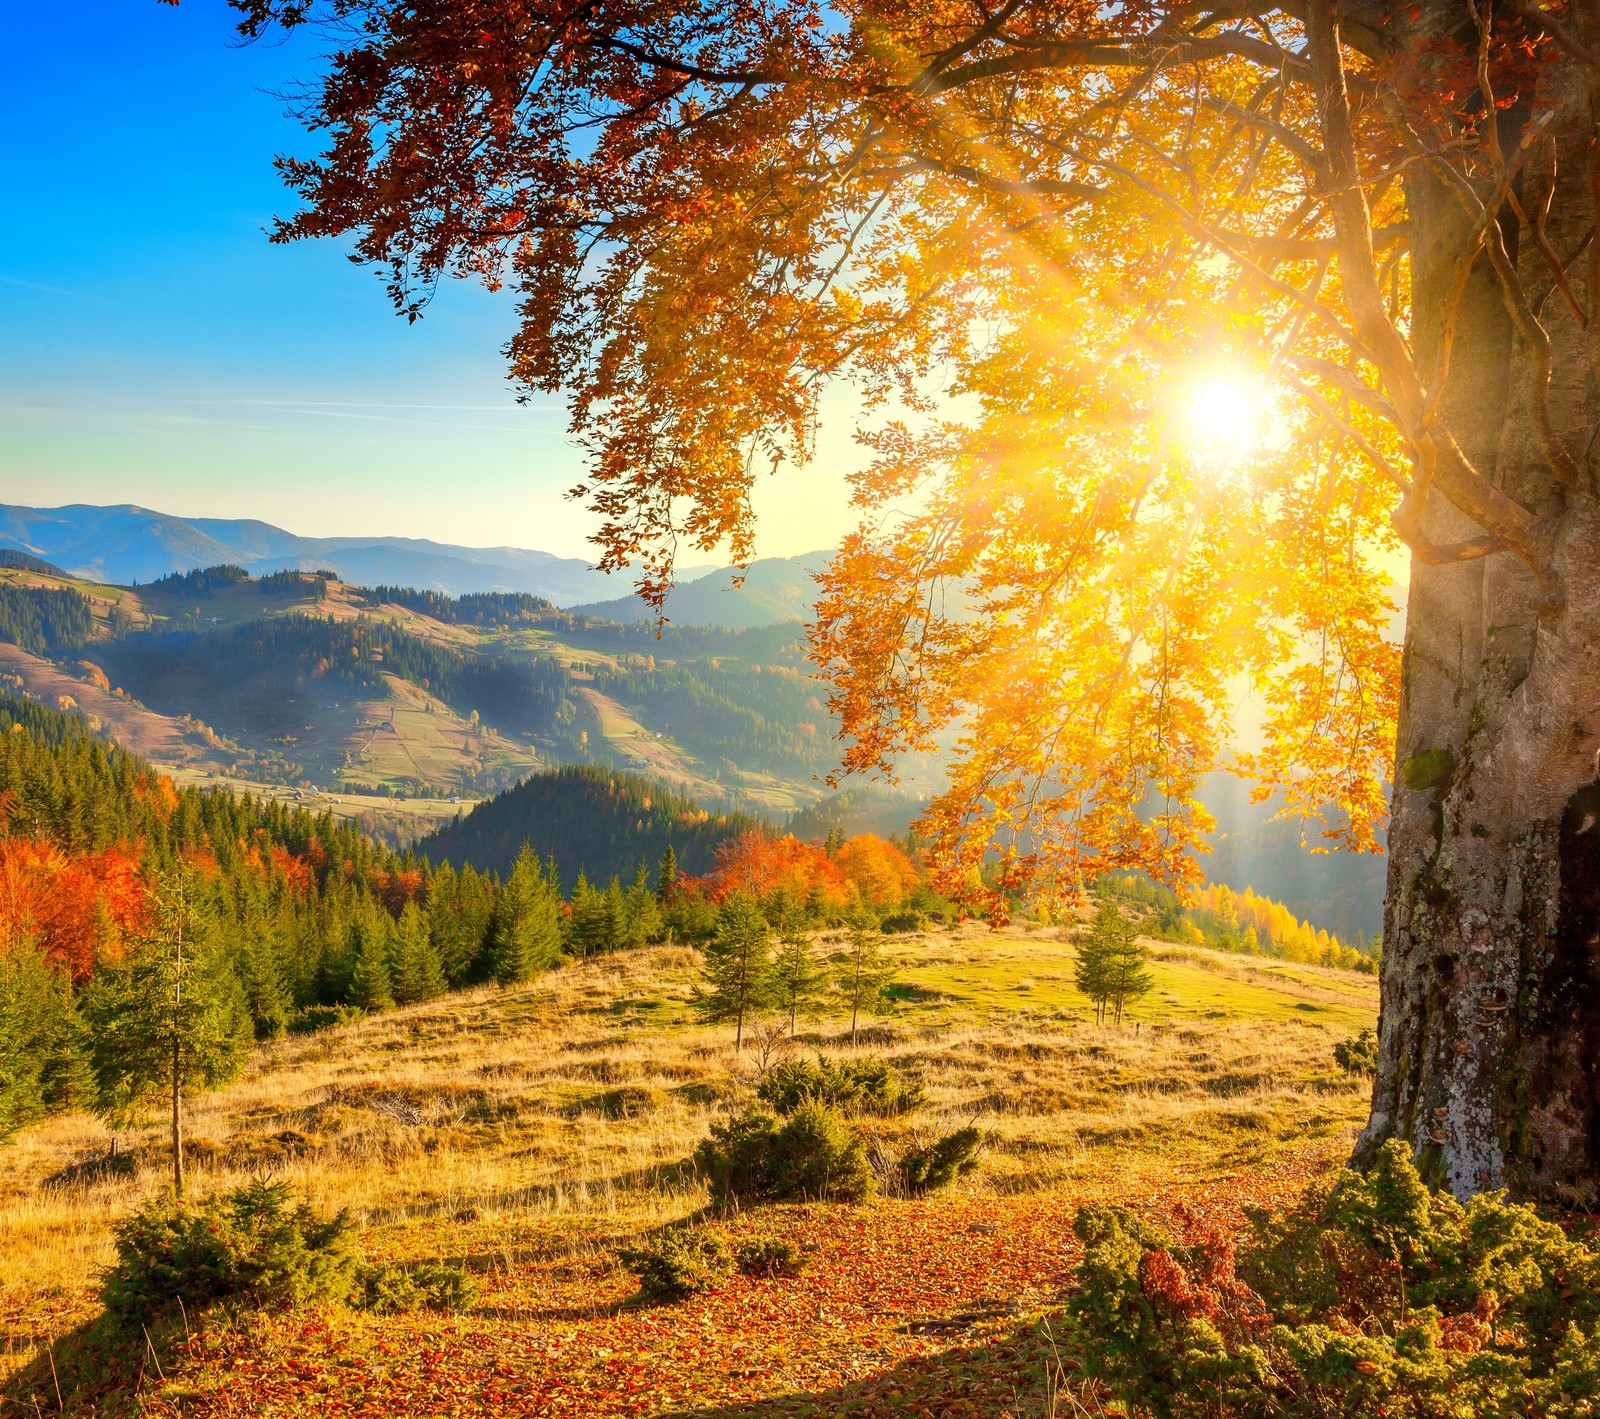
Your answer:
<point x="925" y="1170"/>
<point x="770" y="1257"/>
<point x="680" y="1262"/>
<point x="1358" y="1054"/>
<point x="857" y="1086"/>
<point x="898" y="923"/>
<point x="1379" y="1297"/>
<point x="311" y="1018"/>
<point x="813" y="1154"/>
<point x="249" y="1243"/>
<point x="434" y="1287"/>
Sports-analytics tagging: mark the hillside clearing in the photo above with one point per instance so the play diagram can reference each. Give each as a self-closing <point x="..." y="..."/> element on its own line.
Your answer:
<point x="526" y="1133"/>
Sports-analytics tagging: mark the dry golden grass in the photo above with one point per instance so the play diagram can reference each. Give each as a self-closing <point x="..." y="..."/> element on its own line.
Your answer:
<point x="585" y="1092"/>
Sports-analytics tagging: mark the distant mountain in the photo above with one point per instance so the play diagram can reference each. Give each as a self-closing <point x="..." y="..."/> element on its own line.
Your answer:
<point x="129" y="544"/>
<point x="596" y="820"/>
<point x="861" y="808"/>
<point x="775" y="589"/>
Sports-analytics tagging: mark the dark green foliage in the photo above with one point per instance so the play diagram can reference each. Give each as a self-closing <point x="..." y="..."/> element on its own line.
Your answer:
<point x="1111" y="967"/>
<point x="524" y="935"/>
<point x="812" y="1154"/>
<point x="736" y="978"/>
<point x="925" y="1170"/>
<point x="311" y="1018"/>
<point x="250" y="1244"/>
<point x="434" y="1286"/>
<point x="44" y="621"/>
<point x="371" y="984"/>
<point x="23" y="987"/>
<point x="418" y="972"/>
<point x="1377" y="1298"/>
<point x="478" y="608"/>
<point x="171" y="1014"/>
<point x="679" y="1262"/>
<point x="1358" y="1054"/>
<point x="587" y="819"/>
<point x="854" y="1085"/>
<point x="202" y="581"/>
<point x="769" y="1257"/>
<point x="798" y="977"/>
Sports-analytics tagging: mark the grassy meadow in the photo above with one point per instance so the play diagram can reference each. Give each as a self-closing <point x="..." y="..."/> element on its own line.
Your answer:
<point x="525" y="1134"/>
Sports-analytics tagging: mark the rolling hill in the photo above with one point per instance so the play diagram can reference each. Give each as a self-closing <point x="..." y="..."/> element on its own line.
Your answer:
<point x="126" y="545"/>
<point x="774" y="589"/>
<point x="587" y="819"/>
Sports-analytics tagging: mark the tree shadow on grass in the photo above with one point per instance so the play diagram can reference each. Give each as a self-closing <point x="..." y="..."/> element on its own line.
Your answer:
<point x="95" y="1368"/>
<point x="1010" y="1374"/>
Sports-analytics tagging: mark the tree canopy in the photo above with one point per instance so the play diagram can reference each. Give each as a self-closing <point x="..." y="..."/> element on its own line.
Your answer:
<point x="1048" y="245"/>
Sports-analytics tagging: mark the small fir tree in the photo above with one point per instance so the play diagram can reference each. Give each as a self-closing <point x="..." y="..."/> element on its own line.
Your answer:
<point x="23" y="990"/>
<point x="667" y="878"/>
<point x="641" y="912"/>
<point x="66" y="1073"/>
<point x="867" y="971"/>
<point x="371" y="981"/>
<point x="736" y="975"/>
<point x="168" y="1019"/>
<point x="1129" y="972"/>
<point x="525" y="929"/>
<point x="418" y="973"/>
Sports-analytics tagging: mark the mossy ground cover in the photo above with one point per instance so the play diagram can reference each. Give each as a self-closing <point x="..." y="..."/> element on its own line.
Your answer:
<point x="528" y="1135"/>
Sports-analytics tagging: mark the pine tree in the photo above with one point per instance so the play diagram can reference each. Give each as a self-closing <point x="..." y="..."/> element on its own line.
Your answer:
<point x="1130" y="977"/>
<point x="798" y="976"/>
<point x="641" y="915"/>
<point x="867" y="972"/>
<point x="736" y="975"/>
<point x="1108" y="958"/>
<point x="525" y="930"/>
<point x="667" y="878"/>
<point x="266" y="992"/>
<point x="371" y="980"/>
<point x="66" y="1074"/>
<point x="169" y="1019"/>
<point x="419" y="974"/>
<point x="22" y="992"/>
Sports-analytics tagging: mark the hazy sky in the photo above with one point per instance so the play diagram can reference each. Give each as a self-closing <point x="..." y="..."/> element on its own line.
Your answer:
<point x="154" y="349"/>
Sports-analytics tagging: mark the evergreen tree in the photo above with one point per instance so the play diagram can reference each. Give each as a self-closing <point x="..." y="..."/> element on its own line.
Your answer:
<point x="66" y="1073"/>
<point x="371" y="980"/>
<point x="525" y="932"/>
<point x="736" y="975"/>
<point x="23" y="989"/>
<point x="798" y="976"/>
<point x="667" y="878"/>
<point x="266" y="992"/>
<point x="419" y="974"/>
<point x="867" y="972"/>
<point x="1100" y="950"/>
<point x="597" y="918"/>
<point x="641" y="912"/>
<point x="168" y="1019"/>
<point x="1128" y="972"/>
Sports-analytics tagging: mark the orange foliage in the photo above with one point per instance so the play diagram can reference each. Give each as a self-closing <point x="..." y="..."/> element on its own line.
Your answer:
<point x="866" y="869"/>
<point x="760" y="864"/>
<point x="395" y="889"/>
<point x="77" y="910"/>
<point x="878" y="870"/>
<point x="159" y="792"/>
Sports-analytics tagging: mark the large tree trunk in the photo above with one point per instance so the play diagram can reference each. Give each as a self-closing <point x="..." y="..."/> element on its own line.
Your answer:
<point x="1489" y="1048"/>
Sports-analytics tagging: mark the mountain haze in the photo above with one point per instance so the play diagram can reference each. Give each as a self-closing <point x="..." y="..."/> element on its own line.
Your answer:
<point x="775" y="589"/>
<point x="127" y="544"/>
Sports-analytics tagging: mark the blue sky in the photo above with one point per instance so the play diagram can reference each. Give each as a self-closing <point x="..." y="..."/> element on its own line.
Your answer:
<point x="155" y="349"/>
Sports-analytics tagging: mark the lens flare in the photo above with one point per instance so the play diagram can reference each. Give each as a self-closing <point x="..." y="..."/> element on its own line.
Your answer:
<point x="1227" y="413"/>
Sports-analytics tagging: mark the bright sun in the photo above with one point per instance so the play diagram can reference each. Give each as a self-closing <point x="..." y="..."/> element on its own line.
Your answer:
<point x="1228" y="413"/>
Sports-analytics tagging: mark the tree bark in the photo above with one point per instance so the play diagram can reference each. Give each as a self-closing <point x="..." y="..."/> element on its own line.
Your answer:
<point x="1489" y="1040"/>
